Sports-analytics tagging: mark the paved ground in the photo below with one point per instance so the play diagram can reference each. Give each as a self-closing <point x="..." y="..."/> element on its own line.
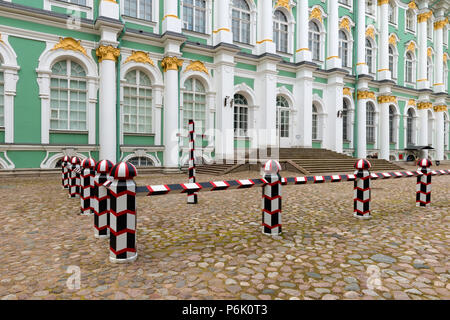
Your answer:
<point x="215" y="250"/>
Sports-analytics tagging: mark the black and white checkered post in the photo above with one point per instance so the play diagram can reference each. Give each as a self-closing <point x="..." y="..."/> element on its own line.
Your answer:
<point x="74" y="177"/>
<point x="192" y="196"/>
<point x="65" y="172"/>
<point x="271" y="199"/>
<point x="361" y="200"/>
<point x="87" y="186"/>
<point x="100" y="200"/>
<point x="423" y="186"/>
<point x="122" y="193"/>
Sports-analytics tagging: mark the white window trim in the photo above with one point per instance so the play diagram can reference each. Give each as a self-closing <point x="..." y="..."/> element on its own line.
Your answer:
<point x="350" y="50"/>
<point x="373" y="11"/>
<point x="285" y="93"/>
<point x="291" y="31"/>
<point x="395" y="23"/>
<point x="72" y="8"/>
<point x="348" y="6"/>
<point x="154" y="23"/>
<point x="430" y="22"/>
<point x="395" y="62"/>
<point x="208" y="21"/>
<point x="10" y="70"/>
<point x="415" y="128"/>
<point x="373" y="70"/>
<point x="414" y="19"/>
<point x="350" y="120"/>
<point x="323" y="35"/>
<point x="253" y="14"/>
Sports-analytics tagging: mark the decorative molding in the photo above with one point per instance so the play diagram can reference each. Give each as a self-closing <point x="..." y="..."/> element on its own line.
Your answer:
<point x="387" y="99"/>
<point x="140" y="57"/>
<point x="171" y="63"/>
<point x="107" y="53"/>
<point x="370" y="32"/>
<point x="346" y="91"/>
<point x="381" y="2"/>
<point x="412" y="5"/>
<point x="70" y="44"/>
<point x="393" y="40"/>
<point x="445" y="57"/>
<point x="113" y="1"/>
<point x="284" y="3"/>
<point x="440" y="108"/>
<point x="345" y="24"/>
<point x="440" y="24"/>
<point x="412" y="102"/>
<point x="429" y="52"/>
<point x="1" y="41"/>
<point x="316" y="14"/>
<point x="424" y="105"/>
<point x="411" y="47"/>
<point x="423" y="17"/>
<point x="366" y="95"/>
<point x="197" y="66"/>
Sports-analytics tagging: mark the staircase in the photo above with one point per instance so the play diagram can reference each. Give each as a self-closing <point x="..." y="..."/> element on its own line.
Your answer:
<point x="216" y="168"/>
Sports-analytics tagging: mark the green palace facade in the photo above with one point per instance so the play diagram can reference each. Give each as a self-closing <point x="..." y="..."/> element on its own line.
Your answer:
<point x="119" y="80"/>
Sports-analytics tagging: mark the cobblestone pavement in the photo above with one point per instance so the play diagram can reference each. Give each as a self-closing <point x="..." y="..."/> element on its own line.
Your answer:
<point x="215" y="249"/>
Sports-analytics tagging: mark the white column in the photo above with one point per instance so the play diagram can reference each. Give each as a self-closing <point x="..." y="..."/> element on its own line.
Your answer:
<point x="170" y="66"/>
<point x="383" y="61"/>
<point x="333" y="59"/>
<point x="303" y="97"/>
<point x="384" y="130"/>
<point x="159" y="92"/>
<point x="422" y="81"/>
<point x="423" y="122"/>
<point x="361" y="66"/>
<point x="302" y="52"/>
<point x="440" y="135"/>
<point x="224" y="84"/>
<point x="222" y="29"/>
<point x="362" y="95"/>
<point x="10" y="80"/>
<point x="438" y="85"/>
<point x="171" y="21"/>
<point x="334" y="103"/>
<point x="264" y="40"/>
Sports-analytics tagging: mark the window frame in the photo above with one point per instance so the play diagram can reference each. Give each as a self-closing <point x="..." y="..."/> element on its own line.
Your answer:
<point x="199" y="130"/>
<point x="372" y="64"/>
<point x="372" y="125"/>
<point x="74" y="8"/>
<point x="251" y="12"/>
<point x="410" y="141"/>
<point x="392" y="4"/>
<point x="346" y="63"/>
<point x="208" y="16"/>
<point x="2" y="96"/>
<point x="154" y="22"/>
<point x="286" y="33"/>
<point x="318" y="42"/>
<point x="414" y="20"/>
<point x="283" y="113"/>
<point x="413" y="67"/>
<point x="239" y="131"/>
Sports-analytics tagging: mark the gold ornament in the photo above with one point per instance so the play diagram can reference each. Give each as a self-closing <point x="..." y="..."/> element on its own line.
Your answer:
<point x="445" y="57"/>
<point x="345" y="24"/>
<point x="412" y="102"/>
<point x="411" y="47"/>
<point x="381" y="2"/>
<point x="424" y="105"/>
<point x="440" y="24"/>
<point x="441" y="108"/>
<point x="429" y="52"/>
<point x="412" y="5"/>
<point x="316" y="14"/>
<point x="387" y="99"/>
<point x="171" y="63"/>
<point x="283" y="3"/>
<point x="107" y="53"/>
<point x="423" y="17"/>
<point x="370" y="32"/>
<point x="140" y="57"/>
<point x="346" y="91"/>
<point x="197" y="66"/>
<point x="70" y="44"/>
<point x="393" y="40"/>
<point x="366" y="95"/>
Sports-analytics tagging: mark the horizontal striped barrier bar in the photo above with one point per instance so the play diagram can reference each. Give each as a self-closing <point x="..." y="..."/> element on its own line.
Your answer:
<point x="157" y="190"/>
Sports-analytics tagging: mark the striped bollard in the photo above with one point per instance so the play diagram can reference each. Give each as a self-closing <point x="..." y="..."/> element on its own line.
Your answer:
<point x="361" y="200"/>
<point x="192" y="196"/>
<point x="100" y="200"/>
<point x="74" y="177"/>
<point x="65" y="172"/>
<point x="423" y="186"/>
<point x="87" y="186"/>
<point x="271" y="199"/>
<point x="122" y="193"/>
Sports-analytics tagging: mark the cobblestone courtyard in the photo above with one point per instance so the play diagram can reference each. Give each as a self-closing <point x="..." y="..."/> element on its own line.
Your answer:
<point x="215" y="250"/>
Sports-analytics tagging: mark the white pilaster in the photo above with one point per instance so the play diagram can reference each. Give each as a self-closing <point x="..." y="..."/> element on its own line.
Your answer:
<point x="384" y="130"/>
<point x="264" y="41"/>
<point x="438" y="85"/>
<point x="10" y="79"/>
<point x="334" y="103"/>
<point x="383" y="71"/>
<point x="361" y="66"/>
<point x="222" y="29"/>
<point x="333" y="59"/>
<point x="159" y="93"/>
<point x="171" y="20"/>
<point x="422" y="19"/>
<point x="303" y="96"/>
<point x="440" y="135"/>
<point x="302" y="52"/>
<point x="109" y="9"/>
<point x="361" y="117"/>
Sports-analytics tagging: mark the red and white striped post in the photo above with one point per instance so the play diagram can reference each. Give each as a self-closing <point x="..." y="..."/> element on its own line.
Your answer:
<point x="65" y="172"/>
<point x="100" y="201"/>
<point x="423" y="186"/>
<point x="271" y="199"/>
<point x="74" y="177"/>
<point x="122" y="224"/>
<point x="192" y="196"/>
<point x="361" y="200"/>
<point x="87" y="186"/>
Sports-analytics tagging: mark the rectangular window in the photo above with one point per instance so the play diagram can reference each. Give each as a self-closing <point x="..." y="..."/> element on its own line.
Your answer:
<point x="80" y="2"/>
<point x="141" y="9"/>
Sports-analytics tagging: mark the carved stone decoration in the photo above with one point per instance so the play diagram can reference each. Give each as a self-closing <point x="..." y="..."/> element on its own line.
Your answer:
<point x="440" y="24"/>
<point x="316" y="14"/>
<point x="370" y="32"/>
<point x="171" y="63"/>
<point x="381" y="2"/>
<point x="424" y="105"/>
<point x="412" y="5"/>
<point x="445" y="57"/>
<point x="412" y="102"/>
<point x="107" y="53"/>
<point x="346" y="91"/>
<point x="441" y="108"/>
<point x="345" y="24"/>
<point x="387" y="99"/>
<point x="423" y="17"/>
<point x="140" y="57"/>
<point x="411" y="47"/>
<point x="393" y="40"/>
<point x="366" y="95"/>
<point x="70" y="44"/>
<point x="197" y="66"/>
<point x="429" y="52"/>
<point x="1" y="41"/>
<point x="283" y="3"/>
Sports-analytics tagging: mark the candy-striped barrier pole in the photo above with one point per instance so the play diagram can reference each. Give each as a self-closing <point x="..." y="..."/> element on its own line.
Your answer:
<point x="423" y="186"/>
<point x="100" y="200"/>
<point x="74" y="177"/>
<point x="65" y="172"/>
<point x="361" y="200"/>
<point x="192" y="196"/>
<point x="87" y="186"/>
<point x="271" y="199"/>
<point x="122" y="194"/>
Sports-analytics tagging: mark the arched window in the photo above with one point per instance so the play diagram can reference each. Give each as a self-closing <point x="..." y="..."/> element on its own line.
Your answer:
<point x="409" y="127"/>
<point x="345" y="122"/>
<point x="240" y="116"/>
<point x="409" y="67"/>
<point x="68" y="96"/>
<point x="280" y="31"/>
<point x="283" y="116"/>
<point x="410" y="20"/>
<point x="391" y="60"/>
<point x="392" y="12"/>
<point x="141" y="9"/>
<point x="369" y="7"/>
<point x="141" y="162"/>
<point x="391" y="124"/>
<point x="344" y="48"/>
<point x="137" y="103"/>
<point x="370" y="123"/>
<point x="2" y="98"/>
<point x="430" y="70"/>
<point x="241" y="21"/>
<point x="194" y="15"/>
<point x="194" y="104"/>
<point x="369" y="54"/>
<point x="314" y="40"/>
<point x="315" y="122"/>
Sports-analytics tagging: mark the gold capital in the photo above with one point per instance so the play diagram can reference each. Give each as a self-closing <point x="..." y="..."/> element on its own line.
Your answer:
<point x="366" y="95"/>
<point x="423" y="17"/>
<point x="70" y="44"/>
<point x="424" y="105"/>
<point x="381" y="2"/>
<point x="387" y="99"/>
<point x="140" y="57"/>
<point x="440" y="24"/>
<point x="171" y="63"/>
<point x="346" y="91"/>
<point x="107" y="53"/>
<point x="440" y="108"/>
<point x="412" y="5"/>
